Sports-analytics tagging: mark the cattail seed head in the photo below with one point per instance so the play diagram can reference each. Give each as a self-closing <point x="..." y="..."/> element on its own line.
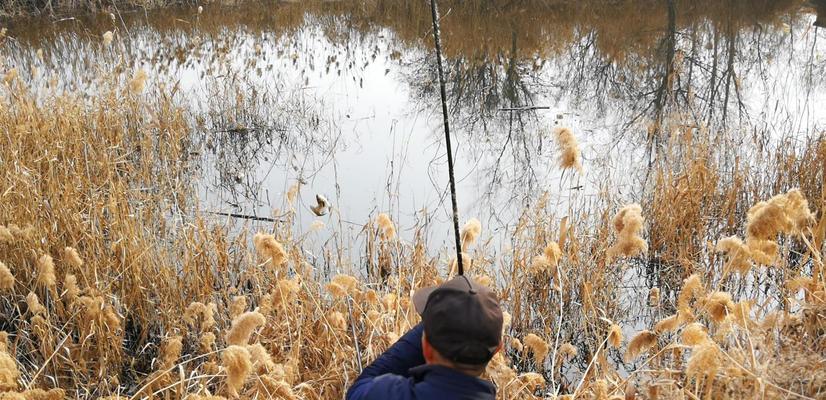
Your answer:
<point x="72" y="258"/>
<point x="6" y="277"/>
<point x="539" y="348"/>
<point x="694" y="334"/>
<point x="640" y="344"/>
<point x="470" y="232"/>
<point x="269" y="249"/>
<point x="237" y="361"/>
<point x="667" y="324"/>
<point x="570" y="155"/>
<point x="45" y="271"/>
<point x="138" y="82"/>
<point x="33" y="302"/>
<point x="242" y="327"/>
<point x="615" y="336"/>
<point x="108" y="36"/>
<point x="628" y="224"/>
<point x="386" y="228"/>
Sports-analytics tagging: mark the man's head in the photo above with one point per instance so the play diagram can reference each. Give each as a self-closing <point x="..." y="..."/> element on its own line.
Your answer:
<point x="462" y="324"/>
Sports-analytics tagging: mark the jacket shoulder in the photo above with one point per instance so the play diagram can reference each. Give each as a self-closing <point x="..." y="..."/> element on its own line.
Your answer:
<point x="391" y="386"/>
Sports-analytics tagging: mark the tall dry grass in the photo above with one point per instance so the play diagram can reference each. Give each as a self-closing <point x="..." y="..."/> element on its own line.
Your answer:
<point x="114" y="285"/>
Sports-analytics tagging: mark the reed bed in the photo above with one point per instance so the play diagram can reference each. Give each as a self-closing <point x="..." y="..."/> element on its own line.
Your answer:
<point x="116" y="286"/>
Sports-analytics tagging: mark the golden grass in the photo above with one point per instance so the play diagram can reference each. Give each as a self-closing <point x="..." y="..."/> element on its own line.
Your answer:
<point x="113" y="285"/>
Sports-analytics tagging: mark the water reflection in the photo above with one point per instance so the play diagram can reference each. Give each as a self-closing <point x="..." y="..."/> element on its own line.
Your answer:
<point x="341" y="96"/>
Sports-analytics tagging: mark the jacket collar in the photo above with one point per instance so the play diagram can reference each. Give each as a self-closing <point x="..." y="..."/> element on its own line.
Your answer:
<point x="444" y="376"/>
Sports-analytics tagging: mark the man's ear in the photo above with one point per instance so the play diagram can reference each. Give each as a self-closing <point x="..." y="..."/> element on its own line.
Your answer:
<point x="427" y="349"/>
<point x="498" y="347"/>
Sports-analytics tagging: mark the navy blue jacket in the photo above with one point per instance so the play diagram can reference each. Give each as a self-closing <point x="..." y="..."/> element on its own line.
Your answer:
<point x="401" y="373"/>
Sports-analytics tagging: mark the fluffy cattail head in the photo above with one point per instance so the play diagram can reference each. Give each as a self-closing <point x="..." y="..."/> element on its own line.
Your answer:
<point x="108" y="36"/>
<point x="33" y="302"/>
<point x="470" y="232"/>
<point x="641" y="343"/>
<point x="237" y="361"/>
<point x="654" y="297"/>
<point x="695" y="334"/>
<point x="6" y="277"/>
<point x="738" y="253"/>
<point x="553" y="253"/>
<point x="539" y="348"/>
<point x="45" y="271"/>
<point x="718" y="305"/>
<point x="667" y="324"/>
<point x="628" y="224"/>
<point x="138" y="82"/>
<point x="5" y="235"/>
<point x="386" y="228"/>
<point x="9" y="373"/>
<point x="170" y="352"/>
<point x="615" y="336"/>
<point x="242" y="327"/>
<point x="269" y="249"/>
<point x="569" y="154"/>
<point x="72" y="258"/>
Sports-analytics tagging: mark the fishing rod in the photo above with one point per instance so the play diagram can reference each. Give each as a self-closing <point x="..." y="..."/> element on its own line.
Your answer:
<point x="434" y="9"/>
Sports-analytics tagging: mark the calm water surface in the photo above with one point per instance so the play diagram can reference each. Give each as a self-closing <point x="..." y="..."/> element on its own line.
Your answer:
<point x="342" y="97"/>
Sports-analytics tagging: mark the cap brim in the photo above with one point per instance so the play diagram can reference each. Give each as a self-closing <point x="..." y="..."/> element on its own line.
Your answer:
<point x="420" y="298"/>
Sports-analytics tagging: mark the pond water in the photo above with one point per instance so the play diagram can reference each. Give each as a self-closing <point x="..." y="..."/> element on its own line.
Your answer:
<point x="343" y="98"/>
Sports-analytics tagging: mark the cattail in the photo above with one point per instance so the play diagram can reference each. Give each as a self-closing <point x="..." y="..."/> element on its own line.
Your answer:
<point x="797" y="210"/>
<point x="9" y="374"/>
<point x="70" y="288"/>
<point x="6" y="277"/>
<point x="35" y="308"/>
<point x="738" y="253"/>
<point x="538" y="347"/>
<point x="5" y="235"/>
<point x="567" y="351"/>
<point x="539" y="264"/>
<point x="270" y="249"/>
<point x="45" y="271"/>
<point x="694" y="334"/>
<point x="762" y="251"/>
<point x="292" y="193"/>
<point x="532" y="380"/>
<point x="207" y="342"/>
<point x="667" y="324"/>
<point x="337" y="320"/>
<point x="237" y="362"/>
<point x="705" y="360"/>
<point x="72" y="258"/>
<point x="336" y="290"/>
<point x="349" y="283"/>
<point x="138" y="82"/>
<point x="516" y="344"/>
<point x="193" y="310"/>
<point x="209" y="316"/>
<point x="628" y="225"/>
<point x="237" y="306"/>
<point x="615" y="336"/>
<point x="553" y="254"/>
<point x="718" y="306"/>
<point x="170" y="352"/>
<point x="470" y="232"/>
<point x="260" y="358"/>
<point x="316" y="226"/>
<point x="386" y="228"/>
<point x="569" y="154"/>
<point x="692" y="286"/>
<point x="507" y="319"/>
<point x="242" y="327"/>
<point x="654" y="297"/>
<point x="641" y="343"/>
<point x="108" y="36"/>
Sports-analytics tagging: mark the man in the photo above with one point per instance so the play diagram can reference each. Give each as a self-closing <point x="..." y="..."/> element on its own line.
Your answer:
<point x="444" y="355"/>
